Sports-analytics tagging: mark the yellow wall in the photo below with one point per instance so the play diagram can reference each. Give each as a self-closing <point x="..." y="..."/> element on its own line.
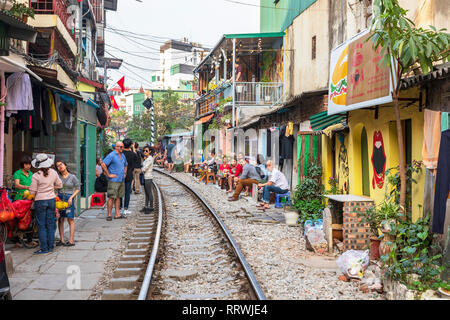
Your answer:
<point x="385" y="123"/>
<point x="83" y="87"/>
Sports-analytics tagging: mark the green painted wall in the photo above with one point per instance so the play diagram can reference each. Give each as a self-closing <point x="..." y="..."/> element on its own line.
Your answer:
<point x="138" y="99"/>
<point x="182" y="94"/>
<point x="92" y="155"/>
<point x="275" y="19"/>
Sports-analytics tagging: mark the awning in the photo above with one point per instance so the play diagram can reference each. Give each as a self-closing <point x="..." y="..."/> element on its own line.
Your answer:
<point x="17" y="29"/>
<point x="204" y="119"/>
<point x="9" y="65"/>
<point x="322" y="120"/>
<point x="63" y="91"/>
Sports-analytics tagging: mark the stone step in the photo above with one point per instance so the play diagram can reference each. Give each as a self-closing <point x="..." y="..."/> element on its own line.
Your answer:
<point x="131" y="257"/>
<point x="140" y="239"/>
<point x="124" y="282"/>
<point x="136" y="251"/>
<point x="138" y="245"/>
<point x="118" y="294"/>
<point x="126" y="272"/>
<point x="131" y="263"/>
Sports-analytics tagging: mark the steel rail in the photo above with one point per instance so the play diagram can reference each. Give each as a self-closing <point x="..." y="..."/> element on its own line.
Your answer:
<point x="151" y="264"/>
<point x="247" y="269"/>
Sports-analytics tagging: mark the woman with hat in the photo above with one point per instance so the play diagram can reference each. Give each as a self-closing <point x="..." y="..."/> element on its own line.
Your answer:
<point x="43" y="185"/>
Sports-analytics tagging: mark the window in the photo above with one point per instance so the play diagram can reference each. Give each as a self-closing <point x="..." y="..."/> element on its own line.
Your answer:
<point x="313" y="48"/>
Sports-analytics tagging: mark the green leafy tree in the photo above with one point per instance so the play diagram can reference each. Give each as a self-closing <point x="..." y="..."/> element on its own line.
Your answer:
<point x="404" y="47"/>
<point x="171" y="114"/>
<point x="119" y="120"/>
<point x="139" y="128"/>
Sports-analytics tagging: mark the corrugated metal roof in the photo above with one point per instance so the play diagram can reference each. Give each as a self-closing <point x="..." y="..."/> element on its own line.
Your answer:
<point x="254" y="35"/>
<point x="442" y="72"/>
<point x="322" y="120"/>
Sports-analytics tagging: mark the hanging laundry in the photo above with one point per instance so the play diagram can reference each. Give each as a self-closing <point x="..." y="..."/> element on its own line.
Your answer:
<point x="66" y="114"/>
<point x="19" y="93"/>
<point x="286" y="145"/>
<point x="431" y="138"/>
<point x="442" y="187"/>
<point x="445" y="121"/>
<point x="57" y="105"/>
<point x="52" y="106"/>
<point x="290" y="129"/>
<point x="37" y="114"/>
<point x="46" y="115"/>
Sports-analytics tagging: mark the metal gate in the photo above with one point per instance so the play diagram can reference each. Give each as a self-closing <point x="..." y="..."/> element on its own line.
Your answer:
<point x="309" y="146"/>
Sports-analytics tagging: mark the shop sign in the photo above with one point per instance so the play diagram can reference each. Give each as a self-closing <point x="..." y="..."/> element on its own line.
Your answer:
<point x="357" y="80"/>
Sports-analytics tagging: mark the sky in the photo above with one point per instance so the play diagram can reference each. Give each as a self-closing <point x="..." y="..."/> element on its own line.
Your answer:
<point x="156" y="21"/>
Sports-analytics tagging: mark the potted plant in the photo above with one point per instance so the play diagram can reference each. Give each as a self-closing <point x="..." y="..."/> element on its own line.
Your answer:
<point x="21" y="11"/>
<point x="372" y="218"/>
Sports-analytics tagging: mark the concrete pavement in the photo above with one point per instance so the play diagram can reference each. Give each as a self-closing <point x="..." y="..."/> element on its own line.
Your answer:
<point x="69" y="273"/>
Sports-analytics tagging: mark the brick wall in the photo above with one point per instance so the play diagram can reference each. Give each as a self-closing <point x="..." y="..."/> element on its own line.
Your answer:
<point x="356" y="233"/>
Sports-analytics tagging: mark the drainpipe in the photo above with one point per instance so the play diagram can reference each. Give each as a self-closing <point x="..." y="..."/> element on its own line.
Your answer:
<point x="234" y="82"/>
<point x="2" y="125"/>
<point x="224" y="65"/>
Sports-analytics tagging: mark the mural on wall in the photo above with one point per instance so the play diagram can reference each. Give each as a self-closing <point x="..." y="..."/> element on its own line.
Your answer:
<point x="343" y="168"/>
<point x="378" y="160"/>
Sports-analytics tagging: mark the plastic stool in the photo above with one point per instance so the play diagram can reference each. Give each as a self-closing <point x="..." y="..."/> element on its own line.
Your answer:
<point x="279" y="196"/>
<point x="98" y="199"/>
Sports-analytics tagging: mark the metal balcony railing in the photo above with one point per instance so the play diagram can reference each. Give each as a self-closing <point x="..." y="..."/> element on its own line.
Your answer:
<point x="259" y="93"/>
<point x="57" y="7"/>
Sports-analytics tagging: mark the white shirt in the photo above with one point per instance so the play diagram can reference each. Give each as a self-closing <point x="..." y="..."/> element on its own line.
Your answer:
<point x="147" y="168"/>
<point x="20" y="94"/>
<point x="278" y="179"/>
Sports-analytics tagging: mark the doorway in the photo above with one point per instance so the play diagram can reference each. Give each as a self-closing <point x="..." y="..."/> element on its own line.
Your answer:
<point x="365" y="164"/>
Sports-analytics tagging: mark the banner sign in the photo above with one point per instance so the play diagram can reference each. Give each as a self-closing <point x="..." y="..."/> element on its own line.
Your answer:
<point x="356" y="78"/>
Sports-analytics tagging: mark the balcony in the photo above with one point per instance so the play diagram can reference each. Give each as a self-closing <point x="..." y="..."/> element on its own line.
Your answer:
<point x="56" y="7"/>
<point x="247" y="94"/>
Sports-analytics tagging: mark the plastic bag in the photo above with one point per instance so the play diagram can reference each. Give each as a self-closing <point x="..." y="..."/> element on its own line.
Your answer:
<point x="353" y="263"/>
<point x="21" y="207"/>
<point x="6" y="209"/>
<point x="315" y="238"/>
<point x="25" y="222"/>
<point x="313" y="224"/>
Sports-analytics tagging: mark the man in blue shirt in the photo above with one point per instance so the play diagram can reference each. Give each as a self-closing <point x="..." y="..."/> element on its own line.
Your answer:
<point x="115" y="167"/>
<point x="171" y="154"/>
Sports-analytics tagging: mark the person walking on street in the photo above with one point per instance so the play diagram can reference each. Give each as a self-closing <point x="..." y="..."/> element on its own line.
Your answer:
<point x="137" y="171"/>
<point x="22" y="177"/>
<point x="147" y="169"/>
<point x="277" y="183"/>
<point x="70" y="190"/>
<point x="248" y="178"/>
<point x="43" y="185"/>
<point x="115" y="167"/>
<point x="131" y="160"/>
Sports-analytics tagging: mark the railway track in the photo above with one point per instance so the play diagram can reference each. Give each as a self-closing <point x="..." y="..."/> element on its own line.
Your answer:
<point x="182" y="251"/>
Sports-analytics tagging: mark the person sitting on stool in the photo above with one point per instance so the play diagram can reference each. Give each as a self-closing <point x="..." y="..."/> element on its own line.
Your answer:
<point x="277" y="183"/>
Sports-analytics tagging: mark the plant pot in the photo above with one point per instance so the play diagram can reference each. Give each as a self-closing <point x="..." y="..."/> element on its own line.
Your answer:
<point x="386" y="248"/>
<point x="291" y="217"/>
<point x="25" y="18"/>
<point x="374" y="248"/>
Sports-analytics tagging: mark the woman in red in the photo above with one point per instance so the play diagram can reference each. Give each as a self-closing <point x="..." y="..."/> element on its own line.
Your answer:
<point x="235" y="173"/>
<point x="224" y="169"/>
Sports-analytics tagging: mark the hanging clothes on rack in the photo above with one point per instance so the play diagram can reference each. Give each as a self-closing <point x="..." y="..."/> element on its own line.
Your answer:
<point x="20" y="95"/>
<point x="442" y="187"/>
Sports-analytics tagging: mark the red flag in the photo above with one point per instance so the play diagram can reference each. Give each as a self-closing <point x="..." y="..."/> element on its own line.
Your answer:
<point x="121" y="84"/>
<point x="115" y="105"/>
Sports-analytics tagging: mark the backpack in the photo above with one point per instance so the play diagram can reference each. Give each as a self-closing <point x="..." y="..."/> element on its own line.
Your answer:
<point x="261" y="173"/>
